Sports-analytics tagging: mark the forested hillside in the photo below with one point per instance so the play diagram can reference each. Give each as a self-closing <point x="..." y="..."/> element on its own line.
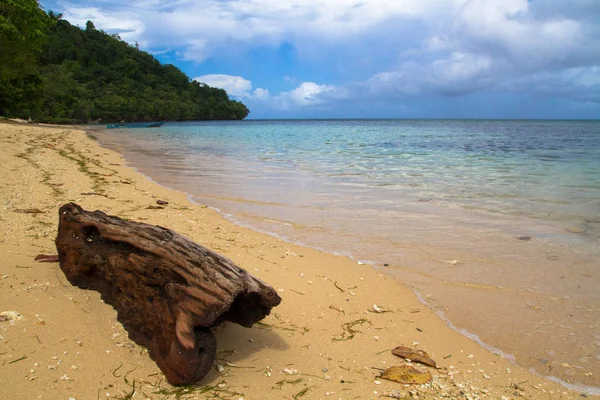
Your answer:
<point x="84" y="75"/>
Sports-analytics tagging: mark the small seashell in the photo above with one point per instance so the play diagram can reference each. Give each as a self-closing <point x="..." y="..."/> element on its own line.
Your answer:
<point x="565" y="365"/>
<point x="11" y="316"/>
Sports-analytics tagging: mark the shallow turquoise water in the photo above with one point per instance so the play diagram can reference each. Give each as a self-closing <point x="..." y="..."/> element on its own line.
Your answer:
<point x="443" y="202"/>
<point x="541" y="169"/>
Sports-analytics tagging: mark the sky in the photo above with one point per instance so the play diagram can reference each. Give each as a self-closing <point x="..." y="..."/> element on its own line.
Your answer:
<point x="372" y="58"/>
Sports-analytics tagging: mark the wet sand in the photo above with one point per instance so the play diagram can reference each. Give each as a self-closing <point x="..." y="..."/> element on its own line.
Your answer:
<point x="68" y="343"/>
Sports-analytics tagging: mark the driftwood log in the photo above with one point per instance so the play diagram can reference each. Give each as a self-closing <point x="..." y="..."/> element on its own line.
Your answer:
<point x="167" y="290"/>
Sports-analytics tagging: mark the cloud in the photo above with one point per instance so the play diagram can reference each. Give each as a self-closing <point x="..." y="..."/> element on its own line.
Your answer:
<point x="260" y="94"/>
<point x="129" y="29"/>
<point x="235" y="86"/>
<point x="306" y="94"/>
<point x="181" y="23"/>
<point x="543" y="47"/>
<point x="372" y="51"/>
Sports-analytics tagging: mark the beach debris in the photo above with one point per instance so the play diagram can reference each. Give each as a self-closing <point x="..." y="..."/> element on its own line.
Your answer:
<point x="394" y="394"/>
<point x="349" y="330"/>
<point x="19" y="359"/>
<point x="378" y="310"/>
<point x="289" y="371"/>
<point x="48" y="258"/>
<point x="168" y="291"/>
<point x="162" y="202"/>
<point x="406" y="374"/>
<point x="93" y="194"/>
<point x="424" y="200"/>
<point x="29" y="211"/>
<point x="302" y="392"/>
<point x="525" y="238"/>
<point x="414" y="355"/>
<point x="10" y="316"/>
<point x="453" y="262"/>
<point x="288" y="382"/>
<point x="155" y="208"/>
<point x="575" y="230"/>
<point x="338" y="309"/>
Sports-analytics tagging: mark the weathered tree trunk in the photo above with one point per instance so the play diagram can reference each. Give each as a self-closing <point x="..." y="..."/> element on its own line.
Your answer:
<point x="167" y="290"/>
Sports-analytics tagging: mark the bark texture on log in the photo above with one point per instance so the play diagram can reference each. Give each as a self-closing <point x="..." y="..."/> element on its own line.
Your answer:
<point x="167" y="290"/>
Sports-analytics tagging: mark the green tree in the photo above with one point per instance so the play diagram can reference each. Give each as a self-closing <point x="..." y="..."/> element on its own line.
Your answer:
<point x="23" y="27"/>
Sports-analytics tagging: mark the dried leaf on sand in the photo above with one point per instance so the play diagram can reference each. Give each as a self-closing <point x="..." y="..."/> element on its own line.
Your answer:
<point x="406" y="374"/>
<point x="414" y="355"/>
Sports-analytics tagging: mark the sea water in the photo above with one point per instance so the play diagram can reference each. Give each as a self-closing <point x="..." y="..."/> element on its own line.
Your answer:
<point x="495" y="224"/>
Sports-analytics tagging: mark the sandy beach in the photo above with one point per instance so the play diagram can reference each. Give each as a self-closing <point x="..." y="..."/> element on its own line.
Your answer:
<point x="326" y="340"/>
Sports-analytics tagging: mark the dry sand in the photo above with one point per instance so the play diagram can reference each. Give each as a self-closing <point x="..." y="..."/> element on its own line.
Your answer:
<point x="69" y="344"/>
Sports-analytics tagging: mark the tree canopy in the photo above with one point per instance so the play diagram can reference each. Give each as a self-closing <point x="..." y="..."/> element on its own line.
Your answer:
<point x="57" y="72"/>
<point x="23" y="27"/>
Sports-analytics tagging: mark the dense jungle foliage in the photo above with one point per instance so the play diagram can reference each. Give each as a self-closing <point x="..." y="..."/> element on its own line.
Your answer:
<point x="53" y="71"/>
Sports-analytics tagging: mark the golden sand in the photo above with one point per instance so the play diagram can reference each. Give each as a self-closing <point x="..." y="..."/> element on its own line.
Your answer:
<point x="325" y="341"/>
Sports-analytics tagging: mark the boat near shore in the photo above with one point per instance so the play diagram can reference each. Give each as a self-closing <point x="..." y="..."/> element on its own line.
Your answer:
<point x="136" y="125"/>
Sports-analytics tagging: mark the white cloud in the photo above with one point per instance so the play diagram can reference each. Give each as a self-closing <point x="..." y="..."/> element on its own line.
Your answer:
<point x="503" y="45"/>
<point x="260" y="94"/>
<point x="129" y="29"/>
<point x="181" y="23"/>
<point x="235" y="86"/>
<point x="508" y="29"/>
<point x="196" y="50"/>
<point x="307" y="94"/>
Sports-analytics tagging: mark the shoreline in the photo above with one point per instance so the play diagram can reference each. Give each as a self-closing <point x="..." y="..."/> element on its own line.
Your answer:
<point x="63" y="323"/>
<point x="450" y="255"/>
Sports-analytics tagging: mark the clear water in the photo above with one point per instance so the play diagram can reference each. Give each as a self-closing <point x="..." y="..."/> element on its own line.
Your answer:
<point x="441" y="204"/>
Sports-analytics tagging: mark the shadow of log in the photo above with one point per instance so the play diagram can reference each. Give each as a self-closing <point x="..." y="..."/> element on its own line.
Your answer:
<point x="167" y="290"/>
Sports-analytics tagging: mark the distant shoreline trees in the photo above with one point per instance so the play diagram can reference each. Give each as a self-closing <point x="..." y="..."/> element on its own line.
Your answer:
<point x="63" y="74"/>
